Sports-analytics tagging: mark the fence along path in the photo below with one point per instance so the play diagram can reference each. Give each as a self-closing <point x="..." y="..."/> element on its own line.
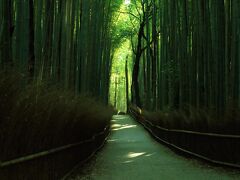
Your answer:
<point x="132" y="154"/>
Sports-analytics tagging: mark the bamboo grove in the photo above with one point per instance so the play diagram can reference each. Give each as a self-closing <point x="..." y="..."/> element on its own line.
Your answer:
<point x="187" y="54"/>
<point x="65" y="42"/>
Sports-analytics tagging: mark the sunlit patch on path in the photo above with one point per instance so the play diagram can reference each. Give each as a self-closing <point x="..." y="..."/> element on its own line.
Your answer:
<point x="130" y="153"/>
<point x="116" y="127"/>
<point x="134" y="154"/>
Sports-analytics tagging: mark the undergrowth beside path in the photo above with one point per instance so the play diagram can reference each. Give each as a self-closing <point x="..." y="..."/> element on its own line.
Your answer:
<point x="197" y="120"/>
<point x="36" y="117"/>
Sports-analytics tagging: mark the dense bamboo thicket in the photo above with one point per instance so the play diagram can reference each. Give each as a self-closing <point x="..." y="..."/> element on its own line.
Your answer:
<point x="55" y="61"/>
<point x="66" y="42"/>
<point x="187" y="54"/>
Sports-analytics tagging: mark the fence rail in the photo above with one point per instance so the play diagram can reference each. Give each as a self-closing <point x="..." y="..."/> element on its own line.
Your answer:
<point x="194" y="132"/>
<point x="51" y="151"/>
<point x="66" y="176"/>
<point x="183" y="140"/>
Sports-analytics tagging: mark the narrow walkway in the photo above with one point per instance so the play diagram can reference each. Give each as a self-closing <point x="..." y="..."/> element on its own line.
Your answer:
<point x="132" y="154"/>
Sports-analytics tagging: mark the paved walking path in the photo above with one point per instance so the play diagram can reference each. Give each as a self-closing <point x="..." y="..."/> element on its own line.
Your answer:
<point x="132" y="154"/>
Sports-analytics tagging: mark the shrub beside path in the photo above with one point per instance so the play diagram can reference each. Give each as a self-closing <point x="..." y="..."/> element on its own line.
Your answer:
<point x="131" y="153"/>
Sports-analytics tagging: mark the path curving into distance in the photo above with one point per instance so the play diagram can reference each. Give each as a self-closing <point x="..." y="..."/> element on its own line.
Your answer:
<point x="132" y="154"/>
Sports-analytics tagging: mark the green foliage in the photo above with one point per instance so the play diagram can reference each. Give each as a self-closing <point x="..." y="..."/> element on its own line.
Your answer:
<point x="121" y="31"/>
<point x="118" y="79"/>
<point x="122" y="27"/>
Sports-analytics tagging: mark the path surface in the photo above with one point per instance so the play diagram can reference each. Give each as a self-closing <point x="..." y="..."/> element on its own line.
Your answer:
<point x="132" y="154"/>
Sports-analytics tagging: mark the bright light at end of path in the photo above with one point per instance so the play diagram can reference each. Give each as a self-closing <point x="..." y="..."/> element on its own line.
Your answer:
<point x="127" y="2"/>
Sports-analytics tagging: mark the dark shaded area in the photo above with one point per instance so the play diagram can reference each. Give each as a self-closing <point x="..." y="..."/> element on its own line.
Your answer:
<point x="52" y="166"/>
